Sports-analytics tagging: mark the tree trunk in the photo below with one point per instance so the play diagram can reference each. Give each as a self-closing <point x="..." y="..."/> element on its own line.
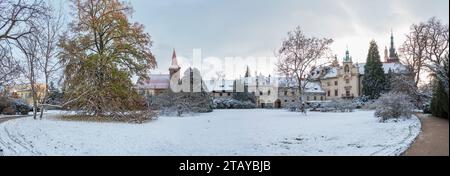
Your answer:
<point x="44" y="99"/>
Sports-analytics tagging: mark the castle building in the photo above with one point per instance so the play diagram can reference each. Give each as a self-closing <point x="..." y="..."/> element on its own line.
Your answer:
<point x="339" y="80"/>
<point x="345" y="81"/>
<point x="157" y="84"/>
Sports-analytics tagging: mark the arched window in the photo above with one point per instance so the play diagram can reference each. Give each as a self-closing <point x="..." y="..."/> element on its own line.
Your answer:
<point x="347" y="69"/>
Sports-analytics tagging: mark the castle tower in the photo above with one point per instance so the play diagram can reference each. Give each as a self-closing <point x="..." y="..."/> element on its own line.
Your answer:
<point x="386" y="54"/>
<point x="335" y="62"/>
<point x="393" y="57"/>
<point x="348" y="63"/>
<point x="347" y="58"/>
<point x="174" y="67"/>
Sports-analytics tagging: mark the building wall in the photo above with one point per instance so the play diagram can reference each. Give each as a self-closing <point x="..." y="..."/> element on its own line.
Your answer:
<point x="331" y="88"/>
<point x="346" y="84"/>
<point x="286" y="97"/>
<point x="23" y="92"/>
<point x="348" y="81"/>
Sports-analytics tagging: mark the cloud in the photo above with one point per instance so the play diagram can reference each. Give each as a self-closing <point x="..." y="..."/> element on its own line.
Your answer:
<point x="257" y="27"/>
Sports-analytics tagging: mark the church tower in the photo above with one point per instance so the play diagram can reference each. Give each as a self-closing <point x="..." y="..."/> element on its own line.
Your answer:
<point x="174" y="68"/>
<point x="347" y="58"/>
<point x="393" y="57"/>
<point x="348" y="63"/>
<point x="386" y="54"/>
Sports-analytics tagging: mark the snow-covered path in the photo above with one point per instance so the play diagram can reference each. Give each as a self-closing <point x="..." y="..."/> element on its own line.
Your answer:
<point x="223" y="132"/>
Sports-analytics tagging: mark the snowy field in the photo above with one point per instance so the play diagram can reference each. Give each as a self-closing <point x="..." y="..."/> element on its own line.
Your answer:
<point x="223" y="132"/>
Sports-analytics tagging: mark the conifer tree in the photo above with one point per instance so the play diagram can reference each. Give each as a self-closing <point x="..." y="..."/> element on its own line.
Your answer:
<point x="374" y="80"/>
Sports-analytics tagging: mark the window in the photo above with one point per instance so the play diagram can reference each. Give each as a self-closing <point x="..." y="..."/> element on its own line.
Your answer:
<point x="268" y="92"/>
<point x="328" y="84"/>
<point x="336" y="93"/>
<point x="293" y="93"/>
<point x="347" y="93"/>
<point x="285" y="101"/>
<point x="347" y="69"/>
<point x="260" y="93"/>
<point x="335" y="83"/>
<point x="229" y="94"/>
<point x="321" y="98"/>
<point x="307" y="98"/>
<point x="220" y="94"/>
<point x="293" y="100"/>
<point x="347" y="81"/>
<point x="285" y="93"/>
<point x="329" y="93"/>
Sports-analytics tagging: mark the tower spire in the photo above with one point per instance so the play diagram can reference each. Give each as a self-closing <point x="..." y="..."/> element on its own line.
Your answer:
<point x="174" y="64"/>
<point x="393" y="57"/>
<point x="174" y="67"/>
<point x="347" y="57"/>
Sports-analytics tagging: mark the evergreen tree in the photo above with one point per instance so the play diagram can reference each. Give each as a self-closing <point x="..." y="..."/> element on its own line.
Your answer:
<point x="439" y="102"/>
<point x="374" y="81"/>
<point x="389" y="83"/>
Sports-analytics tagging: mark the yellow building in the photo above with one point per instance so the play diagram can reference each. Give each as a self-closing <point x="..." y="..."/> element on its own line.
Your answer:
<point x="23" y="92"/>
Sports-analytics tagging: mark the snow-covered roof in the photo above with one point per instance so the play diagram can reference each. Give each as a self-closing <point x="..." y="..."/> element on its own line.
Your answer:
<point x="219" y="85"/>
<point x="314" y="87"/>
<point x="155" y="81"/>
<point x="331" y="73"/>
<point x="395" y="67"/>
<point x="285" y="82"/>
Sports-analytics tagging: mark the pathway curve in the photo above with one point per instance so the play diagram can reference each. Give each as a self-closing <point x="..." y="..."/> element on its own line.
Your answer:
<point x="433" y="140"/>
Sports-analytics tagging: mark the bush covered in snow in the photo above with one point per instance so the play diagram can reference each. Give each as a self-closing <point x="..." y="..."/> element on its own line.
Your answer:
<point x="299" y="107"/>
<point x="171" y="104"/>
<point x="244" y="97"/>
<point x="394" y="106"/>
<point x="10" y="106"/>
<point x="230" y="103"/>
<point x="339" y="105"/>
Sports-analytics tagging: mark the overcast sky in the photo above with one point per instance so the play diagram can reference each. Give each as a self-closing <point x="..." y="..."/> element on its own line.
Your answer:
<point x="255" y="28"/>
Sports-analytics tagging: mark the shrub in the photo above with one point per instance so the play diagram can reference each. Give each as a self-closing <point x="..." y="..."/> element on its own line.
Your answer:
<point x="22" y="108"/>
<point x="294" y="107"/>
<point x="171" y="103"/>
<point x="230" y="103"/>
<point x="9" y="111"/>
<point x="394" y="106"/>
<point x="339" y="105"/>
<point x="4" y="103"/>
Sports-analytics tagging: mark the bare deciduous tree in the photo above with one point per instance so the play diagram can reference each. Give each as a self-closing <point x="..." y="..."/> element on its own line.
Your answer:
<point x="9" y="67"/>
<point x="298" y="55"/>
<point x="48" y="49"/>
<point x="413" y="50"/>
<point x="28" y="45"/>
<point x="438" y="50"/>
<point x="17" y="19"/>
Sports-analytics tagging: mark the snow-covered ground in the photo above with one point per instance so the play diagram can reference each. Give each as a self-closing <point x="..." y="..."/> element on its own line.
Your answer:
<point x="223" y="132"/>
